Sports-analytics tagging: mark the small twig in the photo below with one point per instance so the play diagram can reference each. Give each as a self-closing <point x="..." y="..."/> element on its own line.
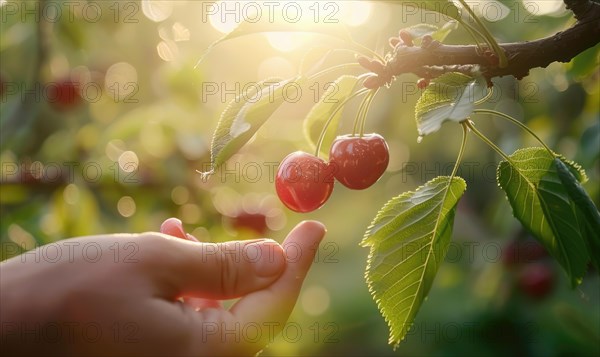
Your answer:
<point x="433" y="58"/>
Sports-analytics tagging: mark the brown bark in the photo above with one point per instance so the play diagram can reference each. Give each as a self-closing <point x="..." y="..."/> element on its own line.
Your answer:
<point x="522" y="56"/>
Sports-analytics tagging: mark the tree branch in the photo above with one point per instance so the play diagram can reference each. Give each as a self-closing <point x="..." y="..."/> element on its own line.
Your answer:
<point x="432" y="57"/>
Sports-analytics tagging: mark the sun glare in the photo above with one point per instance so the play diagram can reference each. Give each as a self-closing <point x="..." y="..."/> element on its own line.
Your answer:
<point x="546" y="7"/>
<point x="225" y="16"/>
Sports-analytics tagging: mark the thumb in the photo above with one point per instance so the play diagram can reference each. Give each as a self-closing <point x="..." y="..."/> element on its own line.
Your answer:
<point x="265" y="311"/>
<point x="276" y="302"/>
<point x="218" y="270"/>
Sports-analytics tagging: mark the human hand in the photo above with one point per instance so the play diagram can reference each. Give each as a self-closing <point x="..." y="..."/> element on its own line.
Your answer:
<point x="118" y="295"/>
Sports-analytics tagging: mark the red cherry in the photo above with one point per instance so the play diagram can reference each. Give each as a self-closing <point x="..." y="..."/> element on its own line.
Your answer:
<point x="304" y="182"/>
<point x="359" y="161"/>
<point x="519" y="251"/>
<point x="63" y="94"/>
<point x="536" y="280"/>
<point x="255" y="222"/>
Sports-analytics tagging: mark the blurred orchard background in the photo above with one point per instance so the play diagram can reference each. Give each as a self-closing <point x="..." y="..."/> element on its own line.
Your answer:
<point x="105" y="121"/>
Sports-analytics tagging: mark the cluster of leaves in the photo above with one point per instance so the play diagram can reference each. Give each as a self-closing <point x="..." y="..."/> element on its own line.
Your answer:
<point x="409" y="236"/>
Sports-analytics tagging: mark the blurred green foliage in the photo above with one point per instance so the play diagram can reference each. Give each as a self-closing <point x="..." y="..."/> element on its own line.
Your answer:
<point x="124" y="158"/>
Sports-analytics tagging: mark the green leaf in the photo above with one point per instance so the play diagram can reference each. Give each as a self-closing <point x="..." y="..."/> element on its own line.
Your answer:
<point x="418" y="31"/>
<point x="586" y="211"/>
<point x="245" y="115"/>
<point x="408" y="240"/>
<point x="499" y="12"/>
<point x="540" y="201"/>
<point x="451" y="96"/>
<point x="335" y="30"/>
<point x="443" y="32"/>
<point x="445" y="7"/>
<point x="585" y="63"/>
<point x="336" y="94"/>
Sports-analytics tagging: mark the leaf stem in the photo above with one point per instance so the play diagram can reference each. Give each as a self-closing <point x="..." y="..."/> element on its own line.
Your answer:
<point x="487" y="96"/>
<point x="473" y="32"/>
<point x="330" y="119"/>
<point x="462" y="149"/>
<point x="518" y="123"/>
<point x="470" y="125"/>
<point x="491" y="41"/>
<point x="332" y="69"/>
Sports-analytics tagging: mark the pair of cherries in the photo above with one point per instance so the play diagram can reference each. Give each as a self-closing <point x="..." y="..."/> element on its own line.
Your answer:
<point x="304" y="182"/>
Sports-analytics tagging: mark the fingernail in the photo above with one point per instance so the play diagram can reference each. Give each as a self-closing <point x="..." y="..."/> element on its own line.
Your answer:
<point x="316" y="225"/>
<point x="173" y="227"/>
<point x="266" y="256"/>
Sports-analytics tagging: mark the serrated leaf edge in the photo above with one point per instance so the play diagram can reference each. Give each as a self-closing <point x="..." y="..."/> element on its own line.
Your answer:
<point x="369" y="260"/>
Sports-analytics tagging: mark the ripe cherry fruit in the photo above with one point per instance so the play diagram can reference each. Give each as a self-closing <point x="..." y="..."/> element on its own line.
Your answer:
<point x="522" y="251"/>
<point x="359" y="161"/>
<point x="254" y="222"/>
<point x="304" y="182"/>
<point x="64" y="94"/>
<point x="536" y="280"/>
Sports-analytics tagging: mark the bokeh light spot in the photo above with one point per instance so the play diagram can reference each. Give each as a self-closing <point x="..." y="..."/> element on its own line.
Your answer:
<point x="190" y="213"/>
<point x="180" y="195"/>
<point x="167" y="50"/>
<point x="355" y="13"/>
<point x="157" y="10"/>
<point x="121" y="80"/>
<point x="180" y="32"/>
<point x="126" y="206"/>
<point x="545" y="7"/>
<point x="315" y="300"/>
<point x="21" y="237"/>
<point x="128" y="161"/>
<point x="71" y="194"/>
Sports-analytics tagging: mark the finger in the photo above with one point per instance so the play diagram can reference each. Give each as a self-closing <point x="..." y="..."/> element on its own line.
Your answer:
<point x="174" y="227"/>
<point x="257" y="318"/>
<point x="263" y="313"/>
<point x="215" y="270"/>
<point x="201" y="304"/>
<point x="277" y="302"/>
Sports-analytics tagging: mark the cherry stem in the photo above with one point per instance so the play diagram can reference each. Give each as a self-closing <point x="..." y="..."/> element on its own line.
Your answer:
<point x="515" y="121"/>
<point x="462" y="149"/>
<point x="484" y="138"/>
<point x="491" y="41"/>
<point x="330" y="119"/>
<point x="368" y="50"/>
<point x="363" y="119"/>
<point x="332" y="69"/>
<point x="358" y="116"/>
<point x="474" y="33"/>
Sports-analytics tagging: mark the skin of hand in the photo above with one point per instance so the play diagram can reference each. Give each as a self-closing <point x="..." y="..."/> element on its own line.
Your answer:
<point x="121" y="295"/>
